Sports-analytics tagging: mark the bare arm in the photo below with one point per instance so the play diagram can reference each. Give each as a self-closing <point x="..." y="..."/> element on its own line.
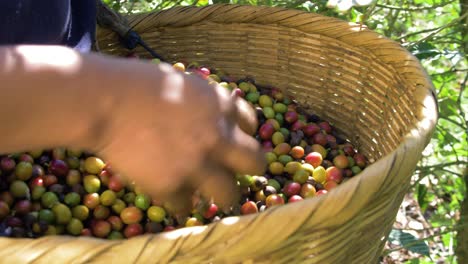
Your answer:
<point x="160" y="128"/>
<point x="53" y="96"/>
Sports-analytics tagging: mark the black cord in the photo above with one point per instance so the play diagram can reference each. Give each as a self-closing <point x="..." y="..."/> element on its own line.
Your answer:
<point x="132" y="40"/>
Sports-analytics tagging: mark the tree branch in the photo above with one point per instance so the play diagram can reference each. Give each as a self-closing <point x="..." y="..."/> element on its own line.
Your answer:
<point x="454" y="122"/>
<point x="462" y="236"/>
<point x="414" y="9"/>
<point x="418" y="32"/>
<point x="455" y="228"/>
<point x="453" y="22"/>
<point x="459" y="103"/>
<point x="461" y="162"/>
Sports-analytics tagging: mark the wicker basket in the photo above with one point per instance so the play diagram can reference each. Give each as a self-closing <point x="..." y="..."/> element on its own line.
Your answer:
<point x="370" y="88"/>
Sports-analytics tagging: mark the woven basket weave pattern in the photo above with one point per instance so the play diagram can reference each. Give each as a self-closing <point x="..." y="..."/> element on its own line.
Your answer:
<point x="370" y="88"/>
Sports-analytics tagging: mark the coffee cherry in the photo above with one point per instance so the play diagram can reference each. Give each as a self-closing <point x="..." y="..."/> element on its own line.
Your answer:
<point x="4" y="210"/>
<point x="307" y="190"/>
<point x="320" y="139"/>
<point x="49" y="179"/>
<point x="115" y="235"/>
<point x="360" y="160"/>
<point x="94" y="165"/>
<point x="341" y="161"/>
<point x="131" y="215"/>
<point x="132" y="230"/>
<point x="301" y="176"/>
<point x="334" y="174"/>
<point x="297" y="152"/>
<point x="314" y="159"/>
<point x="320" y="174"/>
<point x="80" y="212"/>
<point x="210" y="211"/>
<point x="329" y="185"/>
<point x="266" y="131"/>
<point x="74" y="227"/>
<point x="49" y="199"/>
<point x="118" y="206"/>
<point x="62" y="213"/>
<point x="129" y="197"/>
<point x="280" y="108"/>
<point x="101" y="228"/>
<point x="356" y="170"/>
<point x="142" y="201"/>
<point x="274" y="199"/>
<point x="91" y="200"/>
<point x="291" y="117"/>
<point x="276" y="168"/>
<point x="108" y="198"/>
<point x="291" y="189"/>
<point x="311" y="129"/>
<point x="325" y="126"/>
<point x="46" y="216"/>
<point x="58" y="168"/>
<point x="285" y="159"/>
<point x="252" y="97"/>
<point x="192" y="221"/>
<point x="115" y="184"/>
<point x="24" y="170"/>
<point x="269" y="190"/>
<point x="275" y="184"/>
<point x="269" y="113"/>
<point x="91" y="183"/>
<point x="277" y="138"/>
<point x="116" y="222"/>
<point x="37" y="192"/>
<point x="19" y="189"/>
<point x="249" y="208"/>
<point x="7" y="164"/>
<point x="259" y="182"/>
<point x="23" y="207"/>
<point x="270" y="157"/>
<point x="282" y="149"/>
<point x="179" y="66"/>
<point x="295" y="198"/>
<point x="101" y="212"/>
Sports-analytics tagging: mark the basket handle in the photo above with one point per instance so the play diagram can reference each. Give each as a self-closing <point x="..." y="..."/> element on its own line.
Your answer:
<point x="112" y="20"/>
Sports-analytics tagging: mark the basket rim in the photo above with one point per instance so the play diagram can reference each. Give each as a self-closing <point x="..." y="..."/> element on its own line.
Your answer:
<point x="344" y="31"/>
<point x="409" y="68"/>
<point x="357" y="35"/>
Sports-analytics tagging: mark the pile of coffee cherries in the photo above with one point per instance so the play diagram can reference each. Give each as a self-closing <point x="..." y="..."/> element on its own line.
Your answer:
<point x="64" y="191"/>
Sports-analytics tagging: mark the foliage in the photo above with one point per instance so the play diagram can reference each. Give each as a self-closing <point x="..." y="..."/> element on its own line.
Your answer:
<point x="436" y="32"/>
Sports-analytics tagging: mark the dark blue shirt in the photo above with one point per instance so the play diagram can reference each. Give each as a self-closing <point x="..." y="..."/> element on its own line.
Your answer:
<point x="53" y="22"/>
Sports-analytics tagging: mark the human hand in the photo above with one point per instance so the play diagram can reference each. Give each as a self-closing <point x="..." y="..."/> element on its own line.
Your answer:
<point x="175" y="135"/>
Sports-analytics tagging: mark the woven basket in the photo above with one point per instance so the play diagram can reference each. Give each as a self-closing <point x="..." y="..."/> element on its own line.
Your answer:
<point x="370" y="88"/>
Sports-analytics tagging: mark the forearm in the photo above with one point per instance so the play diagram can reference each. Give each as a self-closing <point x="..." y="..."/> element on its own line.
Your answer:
<point x="53" y="96"/>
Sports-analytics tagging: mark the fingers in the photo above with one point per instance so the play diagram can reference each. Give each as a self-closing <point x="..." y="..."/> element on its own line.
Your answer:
<point x="245" y="115"/>
<point x="212" y="182"/>
<point x="240" y="152"/>
<point x="217" y="183"/>
<point x="179" y="203"/>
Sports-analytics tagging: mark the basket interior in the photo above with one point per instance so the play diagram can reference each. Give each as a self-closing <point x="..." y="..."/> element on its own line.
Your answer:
<point x="363" y="97"/>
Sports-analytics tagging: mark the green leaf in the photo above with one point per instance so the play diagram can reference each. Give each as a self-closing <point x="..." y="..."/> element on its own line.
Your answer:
<point x="425" y="50"/>
<point x="447" y="238"/>
<point x="438" y="220"/>
<point x="409" y="242"/>
<point x="448" y="106"/>
<point x="421" y="191"/>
